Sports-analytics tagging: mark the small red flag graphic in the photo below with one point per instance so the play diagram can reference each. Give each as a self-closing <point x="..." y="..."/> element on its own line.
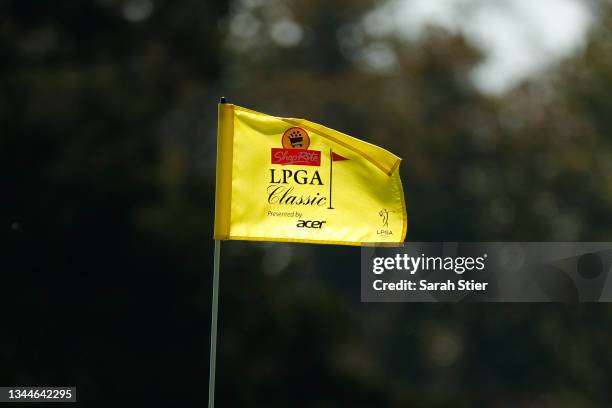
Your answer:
<point x="337" y="157"/>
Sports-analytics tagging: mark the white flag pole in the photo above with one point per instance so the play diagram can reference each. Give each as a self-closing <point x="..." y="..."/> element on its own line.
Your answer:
<point x="213" y="326"/>
<point x="215" y="313"/>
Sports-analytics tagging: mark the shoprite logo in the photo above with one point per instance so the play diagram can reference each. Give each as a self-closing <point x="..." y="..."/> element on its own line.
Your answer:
<point x="295" y="138"/>
<point x="295" y="142"/>
<point x="299" y="157"/>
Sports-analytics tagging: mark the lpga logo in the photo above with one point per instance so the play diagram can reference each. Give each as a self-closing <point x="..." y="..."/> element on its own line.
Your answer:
<point x="384" y="215"/>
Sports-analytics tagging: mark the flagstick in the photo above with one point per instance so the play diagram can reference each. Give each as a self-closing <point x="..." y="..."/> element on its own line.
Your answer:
<point x="215" y="303"/>
<point x="331" y="164"/>
<point x="213" y="326"/>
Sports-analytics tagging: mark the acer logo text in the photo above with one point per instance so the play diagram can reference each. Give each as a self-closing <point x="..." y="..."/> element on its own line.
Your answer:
<point x="310" y="224"/>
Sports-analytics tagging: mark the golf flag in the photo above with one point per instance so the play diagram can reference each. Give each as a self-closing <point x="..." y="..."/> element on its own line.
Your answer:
<point x="292" y="180"/>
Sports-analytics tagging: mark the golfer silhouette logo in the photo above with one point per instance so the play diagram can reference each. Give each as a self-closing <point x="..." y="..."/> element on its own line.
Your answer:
<point x="295" y="138"/>
<point x="384" y="214"/>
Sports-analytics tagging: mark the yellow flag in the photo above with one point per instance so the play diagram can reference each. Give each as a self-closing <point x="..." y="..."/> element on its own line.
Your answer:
<point x="283" y="179"/>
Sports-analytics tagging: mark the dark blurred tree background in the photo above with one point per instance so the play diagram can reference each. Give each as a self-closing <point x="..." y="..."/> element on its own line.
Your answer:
<point x="108" y="113"/>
